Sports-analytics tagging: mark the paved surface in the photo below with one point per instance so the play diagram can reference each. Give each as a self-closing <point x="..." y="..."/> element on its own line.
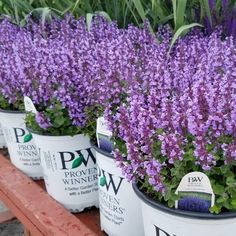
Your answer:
<point x="11" y="228"/>
<point x="2" y="207"/>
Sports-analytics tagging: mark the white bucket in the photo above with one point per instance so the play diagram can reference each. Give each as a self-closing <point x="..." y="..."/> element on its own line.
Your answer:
<point x="70" y="170"/>
<point x="2" y="139"/>
<point x="22" y="150"/>
<point x="160" y="220"/>
<point x="120" y="210"/>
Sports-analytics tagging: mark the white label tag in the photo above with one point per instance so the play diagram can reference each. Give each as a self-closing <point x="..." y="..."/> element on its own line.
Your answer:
<point x="104" y="135"/>
<point x="29" y="106"/>
<point x="196" y="193"/>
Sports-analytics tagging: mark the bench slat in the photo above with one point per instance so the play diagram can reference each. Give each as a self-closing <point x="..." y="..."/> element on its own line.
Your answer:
<point x="39" y="213"/>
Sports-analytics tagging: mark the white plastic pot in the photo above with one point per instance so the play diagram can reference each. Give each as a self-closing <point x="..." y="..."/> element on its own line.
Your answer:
<point x="159" y="220"/>
<point x="120" y="211"/>
<point x="2" y="139"/>
<point x="22" y="150"/>
<point x="70" y="170"/>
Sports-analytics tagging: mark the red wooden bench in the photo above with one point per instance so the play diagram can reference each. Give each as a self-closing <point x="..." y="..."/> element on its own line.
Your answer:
<point x="38" y="212"/>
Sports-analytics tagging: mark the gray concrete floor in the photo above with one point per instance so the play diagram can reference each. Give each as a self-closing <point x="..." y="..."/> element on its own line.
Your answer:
<point x="10" y="228"/>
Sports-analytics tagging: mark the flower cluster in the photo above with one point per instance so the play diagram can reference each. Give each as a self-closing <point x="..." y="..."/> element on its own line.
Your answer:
<point x="183" y="120"/>
<point x="54" y="66"/>
<point x="83" y="71"/>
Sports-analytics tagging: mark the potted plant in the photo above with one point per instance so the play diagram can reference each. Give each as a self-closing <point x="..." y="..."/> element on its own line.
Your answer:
<point x="20" y="145"/>
<point x="59" y="123"/>
<point x="121" y="62"/>
<point x="184" y="125"/>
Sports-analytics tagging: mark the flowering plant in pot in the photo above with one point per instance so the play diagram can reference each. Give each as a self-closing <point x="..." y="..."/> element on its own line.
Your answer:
<point x="60" y="125"/>
<point x="184" y="124"/>
<point x="122" y="65"/>
<point x="21" y="148"/>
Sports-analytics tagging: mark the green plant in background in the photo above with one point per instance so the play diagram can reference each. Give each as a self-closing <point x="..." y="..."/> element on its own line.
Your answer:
<point x="175" y="12"/>
<point x="18" y="10"/>
<point x="181" y="15"/>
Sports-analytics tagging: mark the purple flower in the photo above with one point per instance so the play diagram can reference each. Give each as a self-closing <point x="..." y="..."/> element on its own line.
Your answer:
<point x="177" y="109"/>
<point x="43" y="121"/>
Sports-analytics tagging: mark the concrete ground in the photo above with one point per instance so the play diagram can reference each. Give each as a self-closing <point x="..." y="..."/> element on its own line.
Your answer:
<point x="10" y="228"/>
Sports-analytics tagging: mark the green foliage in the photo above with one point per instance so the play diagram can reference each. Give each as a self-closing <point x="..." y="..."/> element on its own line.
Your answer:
<point x="61" y="123"/>
<point x="176" y="12"/>
<point x="17" y="106"/>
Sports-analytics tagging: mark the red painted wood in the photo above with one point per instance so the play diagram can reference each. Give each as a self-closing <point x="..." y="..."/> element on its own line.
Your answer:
<point x="20" y="214"/>
<point x="40" y="214"/>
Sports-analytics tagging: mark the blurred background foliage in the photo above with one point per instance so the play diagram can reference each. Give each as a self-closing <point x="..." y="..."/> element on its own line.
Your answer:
<point x="179" y="14"/>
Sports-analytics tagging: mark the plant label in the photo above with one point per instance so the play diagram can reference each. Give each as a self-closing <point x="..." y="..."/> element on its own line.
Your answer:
<point x="195" y="192"/>
<point x="29" y="105"/>
<point x="104" y="135"/>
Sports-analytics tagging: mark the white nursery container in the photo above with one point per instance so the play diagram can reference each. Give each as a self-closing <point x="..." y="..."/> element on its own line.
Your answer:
<point x="70" y="170"/>
<point x="120" y="211"/>
<point x="2" y="139"/>
<point x="21" y="147"/>
<point x="160" y="220"/>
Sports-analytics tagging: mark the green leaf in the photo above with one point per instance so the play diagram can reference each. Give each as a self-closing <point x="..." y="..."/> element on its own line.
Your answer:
<point x="230" y="181"/>
<point x="139" y="7"/>
<point x="104" y="14"/>
<point x="221" y="200"/>
<point x="210" y="147"/>
<point x="44" y="12"/>
<point x="102" y="181"/>
<point x="59" y="121"/>
<point x="180" y="31"/>
<point x="174" y="4"/>
<point x="27" y="138"/>
<point x="208" y="10"/>
<point x="75" y="6"/>
<point x="215" y="209"/>
<point x="89" y="18"/>
<point x="77" y="162"/>
<point x="179" y="8"/>
<point x="233" y="203"/>
<point x="218" y="189"/>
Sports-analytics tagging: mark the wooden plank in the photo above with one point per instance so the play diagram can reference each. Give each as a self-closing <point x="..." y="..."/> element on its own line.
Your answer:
<point x="19" y="214"/>
<point x="37" y="210"/>
<point x="89" y="217"/>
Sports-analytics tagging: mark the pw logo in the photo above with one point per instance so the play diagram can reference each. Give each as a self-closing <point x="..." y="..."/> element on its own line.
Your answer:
<point x="107" y="180"/>
<point x="72" y="160"/>
<point x="21" y="136"/>
<point x="195" y="179"/>
<point x="161" y="232"/>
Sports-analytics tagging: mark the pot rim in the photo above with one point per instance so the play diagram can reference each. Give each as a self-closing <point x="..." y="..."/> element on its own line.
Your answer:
<point x="96" y="148"/>
<point x="12" y="111"/>
<point x="181" y="213"/>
